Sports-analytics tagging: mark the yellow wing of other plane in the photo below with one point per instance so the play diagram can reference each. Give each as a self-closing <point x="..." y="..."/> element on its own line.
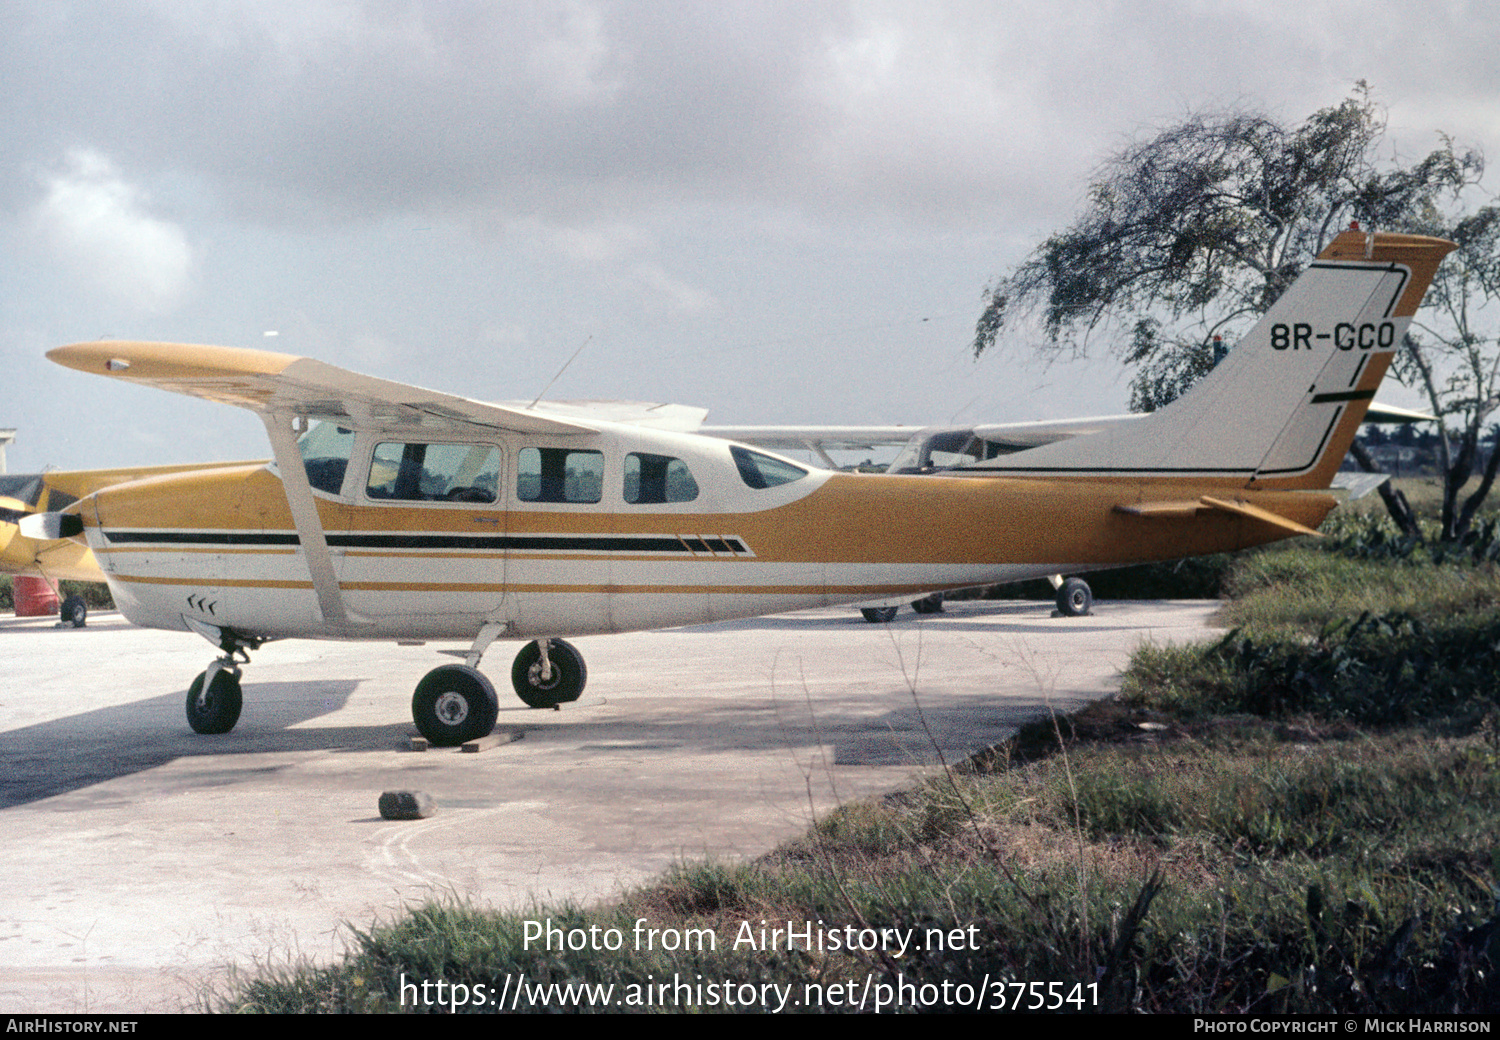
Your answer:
<point x="24" y="494"/>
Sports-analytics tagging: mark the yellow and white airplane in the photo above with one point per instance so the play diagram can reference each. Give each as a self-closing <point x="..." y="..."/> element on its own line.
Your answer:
<point x="393" y="512"/>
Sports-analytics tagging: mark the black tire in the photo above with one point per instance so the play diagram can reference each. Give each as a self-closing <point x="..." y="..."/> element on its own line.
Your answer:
<point x="454" y="704"/>
<point x="1074" y="598"/>
<point x="932" y="604"/>
<point x="220" y="710"/>
<point x="74" y="611"/>
<point x="879" y="615"/>
<point x="568" y="675"/>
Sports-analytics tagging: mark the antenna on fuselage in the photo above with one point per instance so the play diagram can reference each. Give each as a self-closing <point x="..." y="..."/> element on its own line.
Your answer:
<point x="560" y="371"/>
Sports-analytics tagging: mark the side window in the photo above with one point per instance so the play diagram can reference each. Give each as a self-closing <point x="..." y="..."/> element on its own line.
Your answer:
<point x="325" y="449"/>
<point x="559" y="475"/>
<point x="434" y="472"/>
<point x="762" y="471"/>
<point x="653" y="479"/>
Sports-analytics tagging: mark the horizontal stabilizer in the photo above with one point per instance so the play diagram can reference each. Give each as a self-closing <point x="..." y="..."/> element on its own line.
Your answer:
<point x="1257" y="513"/>
<point x="1358" y="485"/>
<point x="1162" y="510"/>
<point x="1188" y="510"/>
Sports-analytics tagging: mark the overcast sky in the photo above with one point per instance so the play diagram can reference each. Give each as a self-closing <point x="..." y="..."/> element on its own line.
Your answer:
<point x="783" y="212"/>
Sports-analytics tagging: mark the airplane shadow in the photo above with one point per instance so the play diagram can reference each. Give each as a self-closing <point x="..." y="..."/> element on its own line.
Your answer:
<point x="1025" y="619"/>
<point x="1018" y="613"/>
<point x="64" y="755"/>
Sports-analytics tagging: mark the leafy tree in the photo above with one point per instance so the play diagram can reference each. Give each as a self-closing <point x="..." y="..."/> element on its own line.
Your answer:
<point x="1191" y="235"/>
<point x="1457" y="366"/>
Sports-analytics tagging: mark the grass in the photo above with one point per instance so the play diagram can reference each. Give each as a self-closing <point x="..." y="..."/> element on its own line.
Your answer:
<point x="1300" y="818"/>
<point x="1305" y="589"/>
<point x="1239" y="869"/>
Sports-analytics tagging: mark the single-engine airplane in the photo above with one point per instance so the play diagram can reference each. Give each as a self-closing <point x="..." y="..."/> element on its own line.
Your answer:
<point x="392" y="512"/>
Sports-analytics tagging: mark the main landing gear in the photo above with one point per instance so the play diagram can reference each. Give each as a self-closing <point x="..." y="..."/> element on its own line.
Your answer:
<point x="456" y="703"/>
<point x="1074" y="597"/>
<point x="453" y="704"/>
<point x="74" y="611"/>
<point x="548" y="672"/>
<point x="929" y="604"/>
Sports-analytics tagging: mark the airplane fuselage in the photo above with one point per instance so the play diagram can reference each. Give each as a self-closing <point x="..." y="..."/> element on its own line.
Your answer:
<point x="622" y="530"/>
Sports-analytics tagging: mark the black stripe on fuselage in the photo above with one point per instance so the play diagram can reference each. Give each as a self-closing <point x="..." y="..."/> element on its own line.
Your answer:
<point x="623" y="544"/>
<point x="200" y="537"/>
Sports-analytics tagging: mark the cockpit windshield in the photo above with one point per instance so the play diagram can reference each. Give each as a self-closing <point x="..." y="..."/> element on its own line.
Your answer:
<point x="764" y="471"/>
<point x="325" y="449"/>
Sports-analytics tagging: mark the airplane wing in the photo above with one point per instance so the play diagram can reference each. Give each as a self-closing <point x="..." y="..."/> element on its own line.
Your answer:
<point x="282" y="384"/>
<point x="853" y="438"/>
<point x="1017" y="436"/>
<point x="820" y="440"/>
<point x="282" y="388"/>
<point x="680" y="418"/>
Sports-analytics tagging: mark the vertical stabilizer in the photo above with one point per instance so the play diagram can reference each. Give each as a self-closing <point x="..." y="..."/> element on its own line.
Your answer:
<point x="1281" y="410"/>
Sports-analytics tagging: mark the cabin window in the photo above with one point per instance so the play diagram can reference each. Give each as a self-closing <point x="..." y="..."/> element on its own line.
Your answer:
<point x="656" y="479"/>
<point x="559" y="475"/>
<point x="434" y="472"/>
<point x="764" y="471"/>
<point x="325" y="449"/>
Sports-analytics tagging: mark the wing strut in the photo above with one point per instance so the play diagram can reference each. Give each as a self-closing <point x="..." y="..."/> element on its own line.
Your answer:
<point x="299" y="498"/>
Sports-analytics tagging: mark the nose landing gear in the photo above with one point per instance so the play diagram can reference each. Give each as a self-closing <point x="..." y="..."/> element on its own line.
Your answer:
<point x="214" y="699"/>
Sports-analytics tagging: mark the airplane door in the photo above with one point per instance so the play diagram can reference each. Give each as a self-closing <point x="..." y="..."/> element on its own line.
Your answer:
<point x="427" y="535"/>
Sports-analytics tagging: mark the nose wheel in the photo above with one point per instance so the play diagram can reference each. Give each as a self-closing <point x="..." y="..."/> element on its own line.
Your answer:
<point x="548" y="672"/>
<point x="214" y="700"/>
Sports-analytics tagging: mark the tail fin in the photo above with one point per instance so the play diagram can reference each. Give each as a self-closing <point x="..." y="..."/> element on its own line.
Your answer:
<point x="1282" y="409"/>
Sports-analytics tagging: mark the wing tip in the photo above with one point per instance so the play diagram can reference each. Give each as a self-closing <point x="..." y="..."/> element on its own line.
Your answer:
<point x="132" y="359"/>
